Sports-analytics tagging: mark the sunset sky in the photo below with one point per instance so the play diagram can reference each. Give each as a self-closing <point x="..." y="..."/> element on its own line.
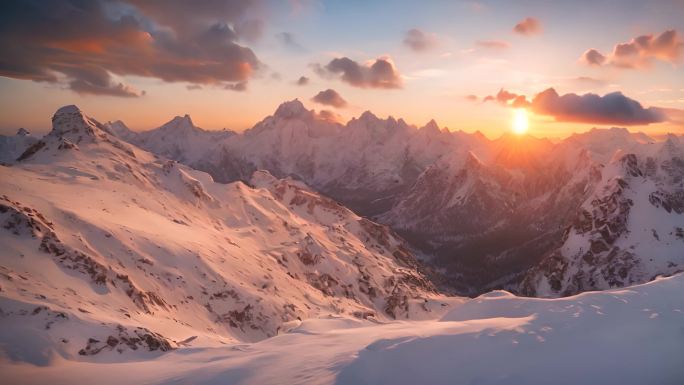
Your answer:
<point x="231" y="63"/>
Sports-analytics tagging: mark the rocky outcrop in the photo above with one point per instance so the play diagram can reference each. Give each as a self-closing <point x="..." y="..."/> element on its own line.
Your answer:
<point x="607" y="244"/>
<point x="123" y="339"/>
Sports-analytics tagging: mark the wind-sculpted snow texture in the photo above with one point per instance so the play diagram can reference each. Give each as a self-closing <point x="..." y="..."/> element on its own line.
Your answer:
<point x="630" y="336"/>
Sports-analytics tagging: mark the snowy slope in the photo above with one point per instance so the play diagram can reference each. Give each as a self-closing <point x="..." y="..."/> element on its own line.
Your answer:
<point x="109" y="248"/>
<point x="629" y="337"/>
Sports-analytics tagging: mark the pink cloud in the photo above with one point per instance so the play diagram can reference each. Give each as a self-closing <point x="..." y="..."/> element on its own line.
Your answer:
<point x="639" y="52"/>
<point x="529" y="26"/>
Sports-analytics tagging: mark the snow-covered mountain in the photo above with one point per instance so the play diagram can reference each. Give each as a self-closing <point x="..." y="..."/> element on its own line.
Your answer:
<point x="362" y="164"/>
<point x="582" y="214"/>
<point x="492" y="213"/>
<point x="11" y="147"/>
<point x="107" y="248"/>
<point x="119" y="265"/>
<point x="179" y="139"/>
<point x="630" y="228"/>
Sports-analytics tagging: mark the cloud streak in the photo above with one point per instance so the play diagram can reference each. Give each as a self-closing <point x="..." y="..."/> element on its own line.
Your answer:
<point x="289" y="41"/>
<point x="493" y="44"/>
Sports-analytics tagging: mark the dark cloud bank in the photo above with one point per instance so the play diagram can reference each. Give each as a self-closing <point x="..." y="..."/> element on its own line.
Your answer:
<point x="612" y="108"/>
<point x="82" y="43"/>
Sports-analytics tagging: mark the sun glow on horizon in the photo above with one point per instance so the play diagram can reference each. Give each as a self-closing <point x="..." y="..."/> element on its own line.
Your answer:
<point x="521" y="121"/>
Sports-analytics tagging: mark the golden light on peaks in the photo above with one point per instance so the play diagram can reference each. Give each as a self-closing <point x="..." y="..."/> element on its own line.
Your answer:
<point x="521" y="121"/>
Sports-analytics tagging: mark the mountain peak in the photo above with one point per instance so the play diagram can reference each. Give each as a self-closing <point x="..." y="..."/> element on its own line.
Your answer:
<point x="70" y="109"/>
<point x="291" y="109"/>
<point x="615" y="131"/>
<point x="472" y="161"/>
<point x="262" y="178"/>
<point x="185" y="120"/>
<point x="71" y="119"/>
<point x="368" y="116"/>
<point x="23" y="132"/>
<point x="671" y="146"/>
<point x="672" y="138"/>
<point x="119" y="129"/>
<point x="180" y="124"/>
<point x="619" y="130"/>
<point x="431" y="127"/>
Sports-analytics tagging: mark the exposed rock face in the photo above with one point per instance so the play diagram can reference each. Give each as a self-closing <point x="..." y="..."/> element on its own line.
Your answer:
<point x="70" y="128"/>
<point x="124" y="339"/>
<point x="625" y="233"/>
<point x="487" y="222"/>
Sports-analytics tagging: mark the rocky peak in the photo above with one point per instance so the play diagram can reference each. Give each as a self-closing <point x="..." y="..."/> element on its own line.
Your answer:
<point x="368" y="116"/>
<point x="185" y="119"/>
<point x="262" y="178"/>
<point x="71" y="121"/>
<point x="431" y="127"/>
<point x="618" y="130"/>
<point x="672" y="138"/>
<point x="120" y="129"/>
<point x="472" y="162"/>
<point x="672" y="144"/>
<point x="292" y="109"/>
<point x="182" y="123"/>
<point x="23" y="132"/>
<point x="70" y="109"/>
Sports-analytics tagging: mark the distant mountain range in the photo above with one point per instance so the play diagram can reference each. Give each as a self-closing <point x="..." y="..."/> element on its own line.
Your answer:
<point x="596" y="210"/>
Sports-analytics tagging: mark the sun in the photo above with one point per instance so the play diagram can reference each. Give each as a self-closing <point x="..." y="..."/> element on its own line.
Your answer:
<point x="520" y="121"/>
